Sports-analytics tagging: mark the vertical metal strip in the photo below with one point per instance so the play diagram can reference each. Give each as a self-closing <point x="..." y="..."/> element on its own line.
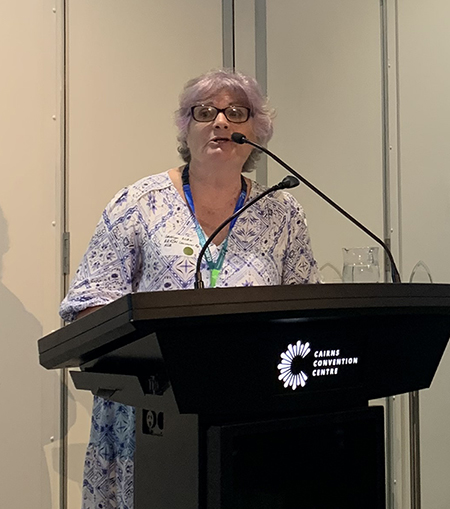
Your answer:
<point x="228" y="35"/>
<point x="385" y="127"/>
<point x="63" y="498"/>
<point x="63" y="459"/>
<point x="399" y="161"/>
<point x="261" y="43"/>
<point x="233" y="31"/>
<point x="414" y="438"/>
<point x="261" y="71"/>
<point x="390" y="481"/>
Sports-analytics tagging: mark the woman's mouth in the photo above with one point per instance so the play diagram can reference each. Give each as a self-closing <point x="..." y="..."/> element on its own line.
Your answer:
<point x="220" y="140"/>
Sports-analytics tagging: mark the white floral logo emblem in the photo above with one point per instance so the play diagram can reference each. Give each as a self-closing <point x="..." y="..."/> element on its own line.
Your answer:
<point x="290" y="365"/>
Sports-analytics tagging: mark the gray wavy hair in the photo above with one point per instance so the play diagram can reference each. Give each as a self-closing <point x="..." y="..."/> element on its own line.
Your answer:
<point x="207" y="85"/>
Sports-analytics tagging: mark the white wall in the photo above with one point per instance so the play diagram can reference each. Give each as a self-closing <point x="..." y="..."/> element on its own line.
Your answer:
<point x="29" y="250"/>
<point x="324" y="79"/>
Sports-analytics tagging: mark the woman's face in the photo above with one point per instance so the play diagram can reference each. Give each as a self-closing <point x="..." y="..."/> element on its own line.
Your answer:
<point x="210" y="142"/>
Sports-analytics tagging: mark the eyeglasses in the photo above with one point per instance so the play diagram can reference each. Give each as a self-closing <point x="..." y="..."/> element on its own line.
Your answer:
<point x="235" y="114"/>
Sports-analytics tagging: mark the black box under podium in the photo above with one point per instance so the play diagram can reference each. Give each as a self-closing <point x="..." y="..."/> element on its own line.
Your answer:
<point x="255" y="398"/>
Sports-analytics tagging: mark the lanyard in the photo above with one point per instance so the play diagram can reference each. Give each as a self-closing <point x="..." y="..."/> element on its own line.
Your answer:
<point x="215" y="267"/>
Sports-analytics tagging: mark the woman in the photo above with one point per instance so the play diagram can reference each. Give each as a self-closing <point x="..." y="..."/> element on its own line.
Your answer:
<point x="150" y="234"/>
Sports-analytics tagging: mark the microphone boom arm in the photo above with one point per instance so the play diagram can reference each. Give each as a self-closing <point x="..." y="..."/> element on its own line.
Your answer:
<point x="394" y="271"/>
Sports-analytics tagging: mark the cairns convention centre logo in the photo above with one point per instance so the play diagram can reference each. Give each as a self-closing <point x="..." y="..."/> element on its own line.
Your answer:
<point x="294" y="371"/>
<point x="290" y="366"/>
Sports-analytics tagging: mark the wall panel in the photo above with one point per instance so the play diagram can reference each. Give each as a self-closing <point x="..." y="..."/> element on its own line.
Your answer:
<point x="324" y="79"/>
<point x="30" y="281"/>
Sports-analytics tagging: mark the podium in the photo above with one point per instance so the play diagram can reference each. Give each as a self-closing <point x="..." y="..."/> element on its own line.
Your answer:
<point x="258" y="397"/>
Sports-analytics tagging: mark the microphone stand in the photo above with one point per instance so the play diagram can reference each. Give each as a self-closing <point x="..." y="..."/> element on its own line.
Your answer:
<point x="241" y="139"/>
<point x="286" y="183"/>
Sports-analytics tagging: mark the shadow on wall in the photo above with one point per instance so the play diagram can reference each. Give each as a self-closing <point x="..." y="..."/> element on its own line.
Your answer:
<point x="21" y="399"/>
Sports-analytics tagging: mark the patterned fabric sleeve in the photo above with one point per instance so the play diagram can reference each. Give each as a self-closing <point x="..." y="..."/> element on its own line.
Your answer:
<point x="299" y="265"/>
<point x="111" y="265"/>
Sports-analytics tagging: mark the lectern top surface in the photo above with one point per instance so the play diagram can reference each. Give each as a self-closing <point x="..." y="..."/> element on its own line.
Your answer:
<point x="172" y="308"/>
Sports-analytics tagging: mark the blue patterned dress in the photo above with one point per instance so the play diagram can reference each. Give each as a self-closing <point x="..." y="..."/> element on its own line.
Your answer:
<point x="138" y="246"/>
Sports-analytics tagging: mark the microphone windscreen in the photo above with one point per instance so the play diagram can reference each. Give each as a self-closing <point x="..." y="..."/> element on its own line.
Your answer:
<point x="289" y="182"/>
<point x="238" y="138"/>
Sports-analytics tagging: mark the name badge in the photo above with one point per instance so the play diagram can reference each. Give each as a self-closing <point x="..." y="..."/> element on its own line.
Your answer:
<point x="179" y="245"/>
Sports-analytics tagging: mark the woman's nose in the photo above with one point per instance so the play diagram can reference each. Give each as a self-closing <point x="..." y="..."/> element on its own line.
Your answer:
<point x="221" y="120"/>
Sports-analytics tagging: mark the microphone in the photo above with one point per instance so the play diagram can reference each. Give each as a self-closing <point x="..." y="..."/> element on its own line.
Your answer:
<point x="241" y="139"/>
<point x="287" y="183"/>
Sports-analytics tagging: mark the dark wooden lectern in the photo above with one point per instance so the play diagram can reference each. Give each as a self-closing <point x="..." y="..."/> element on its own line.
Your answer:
<point x="258" y="397"/>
